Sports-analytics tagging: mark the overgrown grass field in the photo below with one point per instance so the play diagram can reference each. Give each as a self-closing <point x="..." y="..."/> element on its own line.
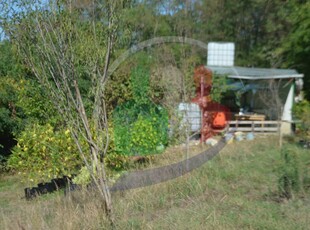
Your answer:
<point x="235" y="190"/>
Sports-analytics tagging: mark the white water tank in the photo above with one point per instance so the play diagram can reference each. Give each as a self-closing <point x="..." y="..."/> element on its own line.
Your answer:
<point x="191" y="115"/>
<point x="221" y="54"/>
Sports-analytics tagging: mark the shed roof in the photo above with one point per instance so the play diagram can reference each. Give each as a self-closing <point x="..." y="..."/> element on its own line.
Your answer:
<point x="254" y="73"/>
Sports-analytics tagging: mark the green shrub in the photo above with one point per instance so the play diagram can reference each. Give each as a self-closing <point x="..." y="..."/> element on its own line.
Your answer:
<point x="144" y="135"/>
<point x="83" y="177"/>
<point x="117" y="161"/>
<point x="140" y="126"/>
<point x="291" y="172"/>
<point x="35" y="103"/>
<point x="140" y="130"/>
<point x="302" y="112"/>
<point x="43" y="153"/>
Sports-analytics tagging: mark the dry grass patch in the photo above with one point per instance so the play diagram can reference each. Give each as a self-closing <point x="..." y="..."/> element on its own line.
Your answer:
<point x="228" y="192"/>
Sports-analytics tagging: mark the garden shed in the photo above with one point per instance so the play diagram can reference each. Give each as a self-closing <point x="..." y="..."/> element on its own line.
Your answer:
<point x="256" y="94"/>
<point x="264" y="94"/>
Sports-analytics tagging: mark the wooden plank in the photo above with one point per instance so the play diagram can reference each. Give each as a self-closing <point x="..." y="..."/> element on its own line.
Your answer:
<point x="251" y="117"/>
<point x="256" y="129"/>
<point x="254" y="122"/>
<point x="253" y="126"/>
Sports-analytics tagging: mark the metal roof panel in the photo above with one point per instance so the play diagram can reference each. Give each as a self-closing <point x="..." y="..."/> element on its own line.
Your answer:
<point x="254" y="73"/>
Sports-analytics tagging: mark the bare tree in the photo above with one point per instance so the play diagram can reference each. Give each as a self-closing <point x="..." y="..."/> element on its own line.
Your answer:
<point x="55" y="40"/>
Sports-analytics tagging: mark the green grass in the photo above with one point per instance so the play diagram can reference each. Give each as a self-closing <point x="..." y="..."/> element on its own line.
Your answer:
<point x="235" y="190"/>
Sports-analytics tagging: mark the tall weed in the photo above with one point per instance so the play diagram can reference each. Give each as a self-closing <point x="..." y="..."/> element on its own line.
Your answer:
<point x="291" y="172"/>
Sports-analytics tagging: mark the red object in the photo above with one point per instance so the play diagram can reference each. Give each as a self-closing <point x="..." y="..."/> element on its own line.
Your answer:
<point x="214" y="116"/>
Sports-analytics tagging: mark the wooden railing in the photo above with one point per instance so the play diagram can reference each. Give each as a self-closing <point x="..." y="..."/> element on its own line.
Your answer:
<point x="253" y="126"/>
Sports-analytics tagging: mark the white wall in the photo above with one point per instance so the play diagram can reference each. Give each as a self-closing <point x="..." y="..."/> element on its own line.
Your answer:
<point x="287" y="109"/>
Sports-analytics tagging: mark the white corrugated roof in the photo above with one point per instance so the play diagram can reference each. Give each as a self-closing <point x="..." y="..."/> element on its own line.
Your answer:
<point x="254" y="73"/>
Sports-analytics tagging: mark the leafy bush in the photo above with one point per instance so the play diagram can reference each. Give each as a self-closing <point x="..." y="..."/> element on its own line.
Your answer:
<point x="35" y="103"/>
<point x="83" y="177"/>
<point x="146" y="135"/>
<point x="140" y="130"/>
<point x="9" y="112"/>
<point x="22" y="102"/>
<point x="219" y="87"/>
<point x="302" y="111"/>
<point x="140" y="126"/>
<point x="43" y="153"/>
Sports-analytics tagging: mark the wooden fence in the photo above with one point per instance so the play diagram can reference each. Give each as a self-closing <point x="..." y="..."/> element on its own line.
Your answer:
<point x="253" y="126"/>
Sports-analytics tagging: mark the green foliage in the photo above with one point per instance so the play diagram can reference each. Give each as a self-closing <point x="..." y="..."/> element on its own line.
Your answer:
<point x="301" y="111"/>
<point x="83" y="177"/>
<point x="140" y="130"/>
<point x="11" y="116"/>
<point x="137" y="30"/>
<point x="117" y="161"/>
<point x="291" y="173"/>
<point x="43" y="153"/>
<point x="219" y="87"/>
<point x="22" y="101"/>
<point x="9" y="112"/>
<point x="296" y="45"/>
<point x="147" y="134"/>
<point x="140" y="126"/>
<point x="35" y="104"/>
<point x="140" y="84"/>
<point x="118" y="91"/>
<point x="3" y="164"/>
<point x="9" y="64"/>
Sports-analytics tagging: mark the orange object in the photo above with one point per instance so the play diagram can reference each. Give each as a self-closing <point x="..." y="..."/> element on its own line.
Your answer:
<point x="214" y="115"/>
<point x="219" y="120"/>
